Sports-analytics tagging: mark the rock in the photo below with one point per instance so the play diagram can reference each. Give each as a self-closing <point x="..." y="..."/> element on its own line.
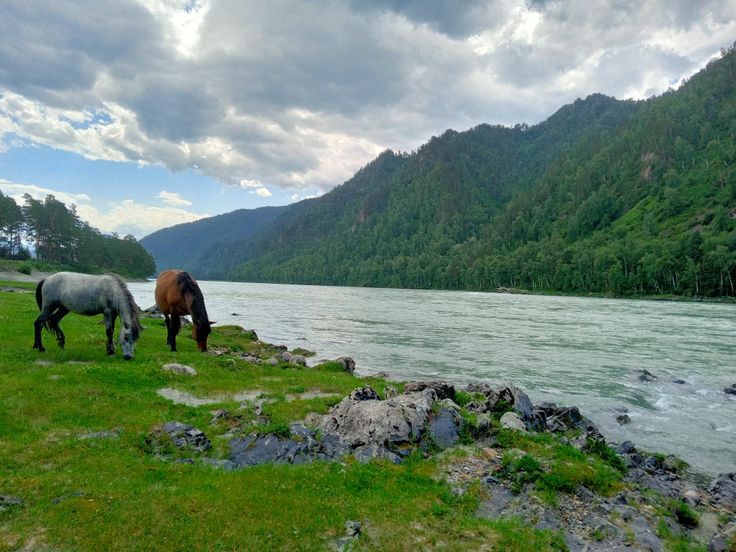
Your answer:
<point x="298" y="359"/>
<point x="382" y="375"/>
<point x="105" y="434"/>
<point x="723" y="490"/>
<point x="443" y="389"/>
<point x="186" y="436"/>
<point x="627" y="447"/>
<point x="444" y="428"/>
<point x="730" y="390"/>
<point x="679" y="381"/>
<point x="268" y="449"/>
<point x="182" y="369"/>
<point x="273" y="361"/>
<point x="348" y="364"/>
<point x="390" y="391"/>
<point x="623" y="419"/>
<point x="352" y="532"/>
<point x="8" y="502"/>
<point x="511" y="420"/>
<point x="362" y="418"/>
<point x="563" y="419"/>
<point x="646" y="375"/>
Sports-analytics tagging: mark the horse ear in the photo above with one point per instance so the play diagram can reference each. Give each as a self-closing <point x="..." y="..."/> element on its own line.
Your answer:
<point x="212" y="322"/>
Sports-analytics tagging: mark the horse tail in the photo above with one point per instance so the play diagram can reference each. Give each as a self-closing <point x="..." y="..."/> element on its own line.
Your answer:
<point x="39" y="302"/>
<point x="39" y="297"/>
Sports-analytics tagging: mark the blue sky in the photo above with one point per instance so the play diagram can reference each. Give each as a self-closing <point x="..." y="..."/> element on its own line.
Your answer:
<point x="171" y="110"/>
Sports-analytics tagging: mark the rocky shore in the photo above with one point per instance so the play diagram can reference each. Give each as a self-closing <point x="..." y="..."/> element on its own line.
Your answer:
<point x="545" y="464"/>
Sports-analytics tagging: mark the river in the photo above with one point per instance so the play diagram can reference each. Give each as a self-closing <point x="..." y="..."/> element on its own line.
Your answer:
<point x="578" y="351"/>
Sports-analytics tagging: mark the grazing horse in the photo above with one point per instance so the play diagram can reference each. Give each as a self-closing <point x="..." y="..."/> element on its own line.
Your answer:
<point x="86" y="294"/>
<point x="177" y="294"/>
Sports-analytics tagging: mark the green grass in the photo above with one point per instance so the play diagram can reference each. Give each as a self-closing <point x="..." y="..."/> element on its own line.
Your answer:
<point x="113" y="494"/>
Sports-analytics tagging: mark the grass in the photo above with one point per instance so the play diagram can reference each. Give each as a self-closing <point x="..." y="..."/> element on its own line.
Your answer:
<point x="112" y="493"/>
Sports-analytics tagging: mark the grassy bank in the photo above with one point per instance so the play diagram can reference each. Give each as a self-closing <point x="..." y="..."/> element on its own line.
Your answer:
<point x="94" y="493"/>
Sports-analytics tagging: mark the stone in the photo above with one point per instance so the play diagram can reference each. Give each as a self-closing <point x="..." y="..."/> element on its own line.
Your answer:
<point x="186" y="436"/>
<point x="563" y="419"/>
<point x="362" y="418"/>
<point x="348" y="364"/>
<point x="646" y="375"/>
<point x="444" y="428"/>
<point x="723" y="490"/>
<point x="627" y="447"/>
<point x="182" y="369"/>
<point x="443" y="389"/>
<point x="104" y="434"/>
<point x="273" y="361"/>
<point x="730" y="390"/>
<point x="679" y="381"/>
<point x="511" y="420"/>
<point x="390" y="391"/>
<point x="298" y="360"/>
<point x="8" y="502"/>
<point x="623" y="419"/>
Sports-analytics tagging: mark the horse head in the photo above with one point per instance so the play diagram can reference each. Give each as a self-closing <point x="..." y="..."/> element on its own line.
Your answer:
<point x="200" y="333"/>
<point x="129" y="333"/>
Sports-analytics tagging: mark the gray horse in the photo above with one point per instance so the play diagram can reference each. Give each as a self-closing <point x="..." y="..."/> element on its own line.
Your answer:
<point x="86" y="294"/>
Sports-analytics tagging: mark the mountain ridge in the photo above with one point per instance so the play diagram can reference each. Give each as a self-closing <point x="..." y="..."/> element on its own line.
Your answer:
<point x="618" y="196"/>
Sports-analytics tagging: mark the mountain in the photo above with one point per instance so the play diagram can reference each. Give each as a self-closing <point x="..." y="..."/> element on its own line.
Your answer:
<point x="609" y="196"/>
<point x="188" y="245"/>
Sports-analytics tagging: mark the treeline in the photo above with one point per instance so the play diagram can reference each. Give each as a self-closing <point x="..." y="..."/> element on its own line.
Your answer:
<point x="620" y="197"/>
<point x="60" y="237"/>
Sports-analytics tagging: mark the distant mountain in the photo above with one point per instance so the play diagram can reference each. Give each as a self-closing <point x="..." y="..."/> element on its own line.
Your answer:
<point x="609" y="196"/>
<point x="188" y="245"/>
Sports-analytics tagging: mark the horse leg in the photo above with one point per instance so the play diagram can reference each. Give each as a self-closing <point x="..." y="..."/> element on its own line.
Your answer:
<point x="38" y="325"/>
<point x="54" y="320"/>
<point x="110" y="330"/>
<point x="175" y="326"/>
<point x="167" y="321"/>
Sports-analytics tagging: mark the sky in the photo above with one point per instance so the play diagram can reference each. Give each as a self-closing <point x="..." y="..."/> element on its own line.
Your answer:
<point x="149" y="113"/>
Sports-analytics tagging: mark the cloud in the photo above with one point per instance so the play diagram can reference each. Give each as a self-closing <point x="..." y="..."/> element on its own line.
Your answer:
<point x="263" y="191"/>
<point x="126" y="217"/>
<point x="266" y="92"/>
<point x="173" y="198"/>
<point x="131" y="217"/>
<point x="17" y="191"/>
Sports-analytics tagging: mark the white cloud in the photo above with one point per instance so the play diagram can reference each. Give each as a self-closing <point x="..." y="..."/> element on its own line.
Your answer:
<point x="126" y="217"/>
<point x="263" y="192"/>
<point x="17" y="191"/>
<point x="253" y="92"/>
<point x="131" y="217"/>
<point x="173" y="198"/>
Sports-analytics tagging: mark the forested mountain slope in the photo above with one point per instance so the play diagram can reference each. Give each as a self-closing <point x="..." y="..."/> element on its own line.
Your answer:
<point x="183" y="245"/>
<point x="604" y="196"/>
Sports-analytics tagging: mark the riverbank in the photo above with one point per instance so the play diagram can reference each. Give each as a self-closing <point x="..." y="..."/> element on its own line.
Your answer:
<point x="98" y="455"/>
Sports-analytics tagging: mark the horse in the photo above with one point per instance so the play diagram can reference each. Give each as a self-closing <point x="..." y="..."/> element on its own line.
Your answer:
<point x="177" y="294"/>
<point x="86" y="294"/>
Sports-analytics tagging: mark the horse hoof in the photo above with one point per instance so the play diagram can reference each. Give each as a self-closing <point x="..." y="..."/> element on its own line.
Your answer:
<point x="127" y="357"/>
<point x="110" y="353"/>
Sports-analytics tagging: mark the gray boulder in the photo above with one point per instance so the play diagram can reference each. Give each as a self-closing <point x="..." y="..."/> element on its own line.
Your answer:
<point x="362" y="418"/>
<point x="511" y="420"/>
<point x="723" y="490"/>
<point x="186" y="436"/>
<point x="444" y="428"/>
<point x="176" y="368"/>
<point x="443" y="389"/>
<point x="348" y="364"/>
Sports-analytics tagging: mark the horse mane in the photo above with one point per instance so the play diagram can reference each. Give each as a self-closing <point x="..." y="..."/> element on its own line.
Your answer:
<point x="134" y="310"/>
<point x="188" y="286"/>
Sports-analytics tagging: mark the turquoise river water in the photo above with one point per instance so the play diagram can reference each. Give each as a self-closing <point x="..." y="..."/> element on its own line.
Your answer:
<point x="586" y="352"/>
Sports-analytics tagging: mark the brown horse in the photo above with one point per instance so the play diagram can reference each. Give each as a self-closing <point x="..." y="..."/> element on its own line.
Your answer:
<point x="177" y="294"/>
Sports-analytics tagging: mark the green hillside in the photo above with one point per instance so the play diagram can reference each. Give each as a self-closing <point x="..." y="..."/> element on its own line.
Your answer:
<point x="185" y="245"/>
<point x="609" y="196"/>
